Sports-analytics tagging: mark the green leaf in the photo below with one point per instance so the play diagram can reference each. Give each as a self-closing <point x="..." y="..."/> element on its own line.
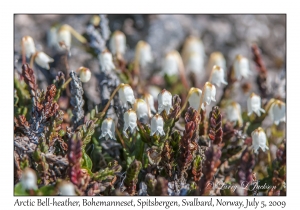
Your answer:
<point x="86" y="162"/>
<point x="19" y="190"/>
<point x="46" y="190"/>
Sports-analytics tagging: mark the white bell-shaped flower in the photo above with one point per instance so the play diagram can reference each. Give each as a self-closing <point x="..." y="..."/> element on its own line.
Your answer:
<point x="217" y="58"/>
<point x="108" y="129"/>
<point x="28" y="46"/>
<point x="157" y="125"/>
<point x="52" y="37"/>
<point x="66" y="189"/>
<point x="208" y="94"/>
<point x="194" y="97"/>
<point x="217" y="76"/>
<point x="117" y="43"/>
<point x="126" y="94"/>
<point x="171" y="64"/>
<point x="29" y="179"/>
<point x="241" y="67"/>
<point x="259" y="140"/>
<point x="254" y="105"/>
<point x="106" y="61"/>
<point x="233" y="112"/>
<point x="64" y="38"/>
<point x="193" y="45"/>
<point x="85" y="74"/>
<point x="154" y="91"/>
<point x="143" y="53"/>
<point x="150" y="102"/>
<point x="43" y="60"/>
<point x="130" y="119"/>
<point x="164" y="101"/>
<point x="195" y="63"/>
<point x="141" y="108"/>
<point x="277" y="112"/>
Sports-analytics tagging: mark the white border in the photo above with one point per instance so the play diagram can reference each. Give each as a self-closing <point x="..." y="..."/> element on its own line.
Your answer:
<point x="8" y="8"/>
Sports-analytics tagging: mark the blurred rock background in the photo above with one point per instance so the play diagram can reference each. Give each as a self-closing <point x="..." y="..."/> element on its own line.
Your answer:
<point x="229" y="34"/>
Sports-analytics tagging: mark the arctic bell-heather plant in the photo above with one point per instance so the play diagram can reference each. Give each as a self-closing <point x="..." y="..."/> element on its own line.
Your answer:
<point x="143" y="119"/>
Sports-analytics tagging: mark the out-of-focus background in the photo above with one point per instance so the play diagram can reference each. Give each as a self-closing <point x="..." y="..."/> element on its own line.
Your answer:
<point x="229" y="34"/>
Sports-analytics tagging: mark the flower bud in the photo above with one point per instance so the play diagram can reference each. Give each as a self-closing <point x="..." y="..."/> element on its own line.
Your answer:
<point x="217" y="76"/>
<point x="209" y="94"/>
<point x="108" y="129"/>
<point x="43" y="60"/>
<point x="141" y="108"/>
<point x="66" y="188"/>
<point x="233" y="112"/>
<point x="64" y="38"/>
<point x="130" y="119"/>
<point x="171" y="63"/>
<point x="194" y="98"/>
<point x="28" y="45"/>
<point x="241" y="67"/>
<point x="277" y="111"/>
<point x="126" y="94"/>
<point x="28" y="179"/>
<point x="85" y="74"/>
<point x="254" y="105"/>
<point x="164" y="101"/>
<point x="143" y="53"/>
<point x="106" y="61"/>
<point x="259" y="140"/>
<point x="217" y="58"/>
<point x="117" y="43"/>
<point x="157" y="125"/>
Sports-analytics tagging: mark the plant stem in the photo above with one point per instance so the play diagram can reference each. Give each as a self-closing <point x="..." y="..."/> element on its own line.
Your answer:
<point x="78" y="36"/>
<point x="111" y="97"/>
<point x="67" y="82"/>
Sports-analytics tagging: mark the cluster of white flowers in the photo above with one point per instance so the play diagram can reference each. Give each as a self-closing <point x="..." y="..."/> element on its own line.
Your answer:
<point x="29" y="50"/>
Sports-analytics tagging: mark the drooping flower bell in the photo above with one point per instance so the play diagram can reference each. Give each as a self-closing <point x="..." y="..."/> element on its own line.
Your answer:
<point x="171" y="64"/>
<point x="143" y="55"/>
<point x="141" y="108"/>
<point x="64" y="38"/>
<point x="164" y="101"/>
<point x="106" y="61"/>
<point x="193" y="45"/>
<point x="130" y="119"/>
<point x="234" y="113"/>
<point x="193" y="55"/>
<point x="108" y="129"/>
<point x="195" y="63"/>
<point x="194" y="97"/>
<point x="254" y="105"/>
<point x="149" y="99"/>
<point x="208" y="94"/>
<point x="117" y="43"/>
<point x="43" y="60"/>
<point x="217" y="76"/>
<point x="157" y="125"/>
<point x="66" y="189"/>
<point x="241" y="67"/>
<point x="217" y="58"/>
<point x="29" y="179"/>
<point x="28" y="46"/>
<point x="84" y="74"/>
<point x="259" y="140"/>
<point x="126" y="94"/>
<point x="277" y="112"/>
